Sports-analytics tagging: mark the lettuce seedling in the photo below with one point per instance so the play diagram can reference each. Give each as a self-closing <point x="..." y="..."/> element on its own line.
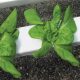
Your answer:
<point x="8" y="36"/>
<point x="57" y="33"/>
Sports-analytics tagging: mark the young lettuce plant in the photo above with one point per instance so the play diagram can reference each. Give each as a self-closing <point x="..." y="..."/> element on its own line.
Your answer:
<point x="58" y="33"/>
<point x="8" y="36"/>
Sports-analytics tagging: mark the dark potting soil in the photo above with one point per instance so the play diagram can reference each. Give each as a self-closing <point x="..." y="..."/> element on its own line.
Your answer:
<point x="50" y="67"/>
<point x="45" y="10"/>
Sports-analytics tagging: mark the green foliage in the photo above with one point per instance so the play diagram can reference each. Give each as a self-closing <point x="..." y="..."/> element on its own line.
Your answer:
<point x="68" y="20"/>
<point x="32" y="17"/>
<point x="9" y="24"/>
<point x="58" y="33"/>
<point x="7" y="66"/>
<point x="44" y="50"/>
<point x="36" y="32"/>
<point x="66" y="55"/>
<point x="7" y="45"/>
<point x="56" y="18"/>
<point x="15" y="34"/>
<point x="8" y="36"/>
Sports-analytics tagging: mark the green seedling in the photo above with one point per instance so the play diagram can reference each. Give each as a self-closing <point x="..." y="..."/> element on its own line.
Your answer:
<point x="58" y="33"/>
<point x="8" y="36"/>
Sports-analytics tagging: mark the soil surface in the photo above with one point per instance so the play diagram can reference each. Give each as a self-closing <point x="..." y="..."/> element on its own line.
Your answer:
<point x="50" y="67"/>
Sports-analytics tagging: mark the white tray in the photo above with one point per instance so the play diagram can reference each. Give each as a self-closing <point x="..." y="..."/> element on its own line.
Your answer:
<point x="26" y="45"/>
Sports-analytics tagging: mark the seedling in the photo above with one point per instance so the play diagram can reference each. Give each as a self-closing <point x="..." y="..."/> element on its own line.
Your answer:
<point x="58" y="33"/>
<point x="8" y="37"/>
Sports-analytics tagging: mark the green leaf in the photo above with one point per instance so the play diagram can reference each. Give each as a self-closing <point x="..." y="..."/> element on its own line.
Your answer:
<point x="9" y="24"/>
<point x="54" y="37"/>
<point x="68" y="14"/>
<point x="47" y="31"/>
<point x="68" y="47"/>
<point x="47" y="26"/>
<point x="8" y="37"/>
<point x="15" y="34"/>
<point x="67" y="29"/>
<point x="49" y="36"/>
<point x="57" y="12"/>
<point x="68" y="20"/>
<point x="66" y="55"/>
<point x="43" y="51"/>
<point x="32" y="17"/>
<point x="9" y="67"/>
<point x="9" y="58"/>
<point x="65" y="36"/>
<point x="37" y="32"/>
<point x="55" y="22"/>
<point x="7" y="45"/>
